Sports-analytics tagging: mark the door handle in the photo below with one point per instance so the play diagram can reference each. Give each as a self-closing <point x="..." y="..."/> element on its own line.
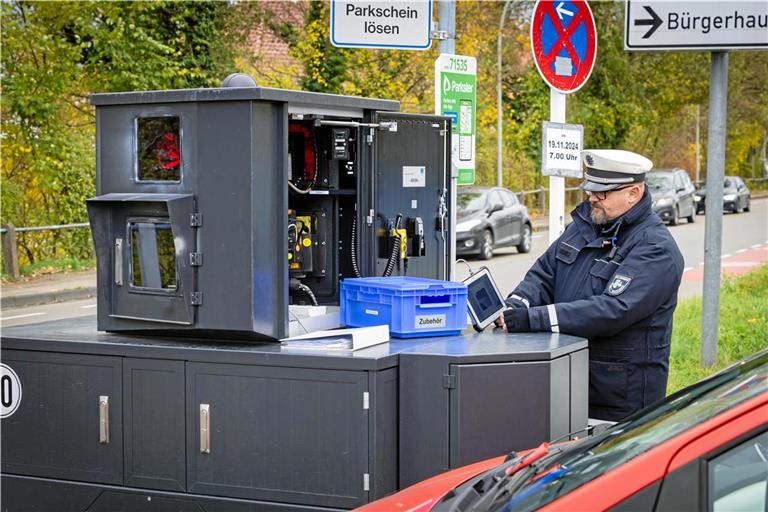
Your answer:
<point x="119" y="261"/>
<point x="205" y="428"/>
<point x="104" y="419"/>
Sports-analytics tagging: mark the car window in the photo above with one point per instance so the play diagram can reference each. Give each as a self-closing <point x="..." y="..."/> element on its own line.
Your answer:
<point x="471" y="200"/>
<point x="679" y="183"/>
<point x="728" y="183"/>
<point x="737" y="479"/>
<point x="496" y="199"/>
<point x="589" y="458"/>
<point x="659" y="181"/>
<point x="508" y="198"/>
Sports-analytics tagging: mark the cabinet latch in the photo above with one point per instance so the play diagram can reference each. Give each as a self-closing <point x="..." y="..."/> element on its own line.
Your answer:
<point x="449" y="381"/>
<point x="366" y="482"/>
<point x="366" y="400"/>
<point x="195" y="259"/>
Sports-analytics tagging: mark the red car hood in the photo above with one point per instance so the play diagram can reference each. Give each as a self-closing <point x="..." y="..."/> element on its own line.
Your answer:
<point x="422" y="496"/>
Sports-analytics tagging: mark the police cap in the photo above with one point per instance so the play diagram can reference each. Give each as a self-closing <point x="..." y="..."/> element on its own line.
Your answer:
<point x="608" y="169"/>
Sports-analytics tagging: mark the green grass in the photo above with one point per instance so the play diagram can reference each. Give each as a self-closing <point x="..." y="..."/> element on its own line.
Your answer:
<point x="53" y="265"/>
<point x="743" y="328"/>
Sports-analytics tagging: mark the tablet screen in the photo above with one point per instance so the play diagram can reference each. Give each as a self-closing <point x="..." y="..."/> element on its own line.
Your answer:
<point x="483" y="297"/>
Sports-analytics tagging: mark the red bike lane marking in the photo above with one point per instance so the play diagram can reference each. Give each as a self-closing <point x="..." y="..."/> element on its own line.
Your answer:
<point x="736" y="265"/>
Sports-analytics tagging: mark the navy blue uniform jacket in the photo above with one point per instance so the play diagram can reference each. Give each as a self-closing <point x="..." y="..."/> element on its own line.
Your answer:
<point x="622" y="304"/>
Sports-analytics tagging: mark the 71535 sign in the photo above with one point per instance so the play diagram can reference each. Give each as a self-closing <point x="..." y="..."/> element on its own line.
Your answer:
<point x="561" y="149"/>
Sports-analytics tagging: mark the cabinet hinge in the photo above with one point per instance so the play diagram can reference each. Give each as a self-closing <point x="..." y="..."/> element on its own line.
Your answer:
<point x="366" y="482"/>
<point x="366" y="400"/>
<point x="195" y="259"/>
<point x="196" y="298"/>
<point x="369" y="137"/>
<point x="449" y="381"/>
<point x="369" y="217"/>
<point x="195" y="220"/>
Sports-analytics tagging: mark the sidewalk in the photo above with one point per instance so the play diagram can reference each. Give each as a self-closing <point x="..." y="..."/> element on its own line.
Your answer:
<point x="49" y="288"/>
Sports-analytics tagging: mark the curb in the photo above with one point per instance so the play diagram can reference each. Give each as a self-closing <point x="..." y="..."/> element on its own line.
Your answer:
<point x="34" y="299"/>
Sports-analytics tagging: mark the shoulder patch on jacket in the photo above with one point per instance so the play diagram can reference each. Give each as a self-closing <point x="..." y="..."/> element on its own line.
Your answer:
<point x="618" y="285"/>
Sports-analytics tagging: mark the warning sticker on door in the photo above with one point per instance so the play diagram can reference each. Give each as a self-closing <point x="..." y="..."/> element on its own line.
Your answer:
<point x="414" y="176"/>
<point x="10" y="391"/>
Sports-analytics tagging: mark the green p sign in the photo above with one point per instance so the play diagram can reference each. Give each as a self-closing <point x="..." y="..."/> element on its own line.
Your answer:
<point x="456" y="97"/>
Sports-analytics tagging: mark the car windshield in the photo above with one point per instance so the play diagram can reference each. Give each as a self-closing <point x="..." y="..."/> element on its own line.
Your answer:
<point x="593" y="456"/>
<point x="471" y="201"/>
<point x="728" y="183"/>
<point x="659" y="181"/>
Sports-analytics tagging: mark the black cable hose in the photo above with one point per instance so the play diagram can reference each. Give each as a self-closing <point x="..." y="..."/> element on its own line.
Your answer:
<point x="395" y="249"/>
<point x="306" y="289"/>
<point x="353" y="248"/>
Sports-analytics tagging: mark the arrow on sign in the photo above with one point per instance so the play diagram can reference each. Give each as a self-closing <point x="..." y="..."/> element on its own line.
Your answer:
<point x="560" y="11"/>
<point x="655" y="22"/>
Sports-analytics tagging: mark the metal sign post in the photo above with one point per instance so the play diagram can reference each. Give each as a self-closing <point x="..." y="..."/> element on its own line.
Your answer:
<point x="713" y="230"/>
<point x="564" y="46"/>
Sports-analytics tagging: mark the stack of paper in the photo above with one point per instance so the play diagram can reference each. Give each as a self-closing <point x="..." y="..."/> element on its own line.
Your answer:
<point x="339" y="339"/>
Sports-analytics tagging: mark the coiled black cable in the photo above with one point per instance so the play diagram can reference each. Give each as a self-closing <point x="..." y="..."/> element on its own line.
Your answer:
<point x="306" y="289"/>
<point x="353" y="248"/>
<point x="395" y="254"/>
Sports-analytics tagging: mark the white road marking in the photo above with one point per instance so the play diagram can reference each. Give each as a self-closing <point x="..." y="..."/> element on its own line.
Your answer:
<point x="756" y="246"/>
<point x="725" y="256"/>
<point x="686" y="269"/>
<point x="732" y="264"/>
<point x="538" y="236"/>
<point x="89" y="306"/>
<point x="22" y="316"/>
<point x="741" y="251"/>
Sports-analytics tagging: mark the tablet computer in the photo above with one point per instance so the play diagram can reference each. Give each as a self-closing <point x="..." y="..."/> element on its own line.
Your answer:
<point x="484" y="301"/>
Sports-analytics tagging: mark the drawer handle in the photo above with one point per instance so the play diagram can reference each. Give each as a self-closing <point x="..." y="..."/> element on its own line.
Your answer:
<point x="104" y="419"/>
<point x="205" y="428"/>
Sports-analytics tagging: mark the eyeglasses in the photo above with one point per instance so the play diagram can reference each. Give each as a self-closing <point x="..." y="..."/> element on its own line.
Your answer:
<point x="602" y="195"/>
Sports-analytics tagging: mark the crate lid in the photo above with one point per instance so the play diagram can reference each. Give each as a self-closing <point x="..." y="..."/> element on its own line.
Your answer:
<point x="403" y="283"/>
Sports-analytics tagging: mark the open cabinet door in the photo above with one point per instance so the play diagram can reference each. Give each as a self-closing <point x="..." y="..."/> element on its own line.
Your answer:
<point x="147" y="262"/>
<point x="412" y="179"/>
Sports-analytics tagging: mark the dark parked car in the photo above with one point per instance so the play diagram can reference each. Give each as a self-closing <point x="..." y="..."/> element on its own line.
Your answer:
<point x="672" y="193"/>
<point x="702" y="448"/>
<point x="490" y="217"/>
<point x="736" y="196"/>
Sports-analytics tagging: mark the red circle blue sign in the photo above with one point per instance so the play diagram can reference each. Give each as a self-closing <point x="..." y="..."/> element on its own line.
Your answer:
<point x="564" y="43"/>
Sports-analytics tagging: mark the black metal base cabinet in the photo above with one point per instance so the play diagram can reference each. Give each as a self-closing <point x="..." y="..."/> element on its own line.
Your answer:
<point x="113" y="422"/>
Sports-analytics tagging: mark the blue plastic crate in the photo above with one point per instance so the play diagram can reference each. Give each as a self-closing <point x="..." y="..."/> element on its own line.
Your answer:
<point x="412" y="306"/>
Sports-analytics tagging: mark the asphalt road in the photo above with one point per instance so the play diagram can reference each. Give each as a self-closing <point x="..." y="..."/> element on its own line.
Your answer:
<point x="742" y="232"/>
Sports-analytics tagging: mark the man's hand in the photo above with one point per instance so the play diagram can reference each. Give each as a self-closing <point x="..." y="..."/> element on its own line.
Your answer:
<point x="514" y="320"/>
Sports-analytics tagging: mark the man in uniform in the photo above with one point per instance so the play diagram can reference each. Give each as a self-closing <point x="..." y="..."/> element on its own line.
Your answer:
<point x="611" y="277"/>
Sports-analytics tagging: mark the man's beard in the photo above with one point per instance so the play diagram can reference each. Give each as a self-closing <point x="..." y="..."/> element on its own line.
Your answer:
<point x="598" y="216"/>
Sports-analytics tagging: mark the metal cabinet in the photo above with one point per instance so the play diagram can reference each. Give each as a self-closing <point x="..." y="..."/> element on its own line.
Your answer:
<point x="453" y="412"/>
<point x="290" y="435"/>
<point x="69" y="423"/>
<point x="155" y="449"/>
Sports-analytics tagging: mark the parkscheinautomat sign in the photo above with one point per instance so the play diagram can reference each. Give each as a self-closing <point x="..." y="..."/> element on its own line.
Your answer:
<point x="381" y="24"/>
<point x="699" y="25"/>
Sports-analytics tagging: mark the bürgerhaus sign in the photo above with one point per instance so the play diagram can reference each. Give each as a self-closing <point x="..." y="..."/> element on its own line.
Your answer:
<point x="381" y="24"/>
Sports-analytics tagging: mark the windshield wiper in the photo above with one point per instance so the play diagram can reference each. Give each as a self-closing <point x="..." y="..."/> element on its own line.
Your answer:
<point x="517" y="474"/>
